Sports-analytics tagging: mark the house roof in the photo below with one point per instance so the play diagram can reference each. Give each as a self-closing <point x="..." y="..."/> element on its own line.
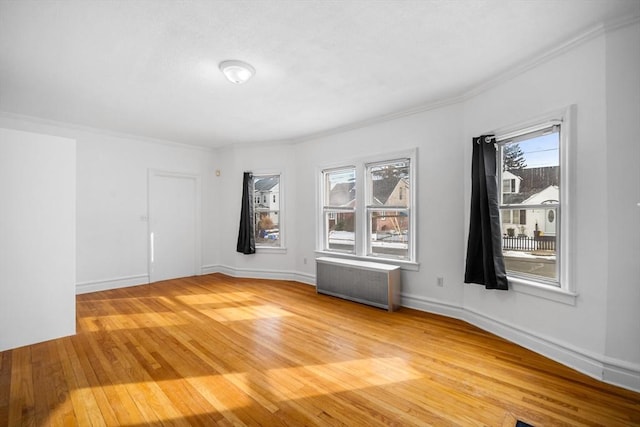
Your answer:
<point x="536" y="179"/>
<point x="532" y="182"/>
<point x="383" y="188"/>
<point x="265" y="184"/>
<point x="343" y="194"/>
<point x="510" y="175"/>
<point x="546" y="195"/>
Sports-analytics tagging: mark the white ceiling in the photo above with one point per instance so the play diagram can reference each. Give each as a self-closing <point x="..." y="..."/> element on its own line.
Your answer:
<point x="150" y="68"/>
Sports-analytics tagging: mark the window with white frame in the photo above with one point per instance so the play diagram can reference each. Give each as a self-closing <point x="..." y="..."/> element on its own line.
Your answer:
<point x="339" y="209"/>
<point x="388" y="209"/>
<point x="531" y="235"/>
<point x="266" y="208"/>
<point x="368" y="208"/>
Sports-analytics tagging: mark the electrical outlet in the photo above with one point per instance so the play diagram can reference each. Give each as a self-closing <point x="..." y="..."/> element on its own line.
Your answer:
<point x="440" y="281"/>
<point x="304" y="260"/>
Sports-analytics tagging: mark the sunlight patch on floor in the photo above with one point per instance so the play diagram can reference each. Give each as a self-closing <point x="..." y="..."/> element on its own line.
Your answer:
<point x="229" y="391"/>
<point x="216" y="298"/>
<point x="252" y="312"/>
<point x="329" y="378"/>
<point x="128" y="321"/>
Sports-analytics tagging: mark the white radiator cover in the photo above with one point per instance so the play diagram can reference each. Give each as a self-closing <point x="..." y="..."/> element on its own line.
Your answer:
<point x="366" y="282"/>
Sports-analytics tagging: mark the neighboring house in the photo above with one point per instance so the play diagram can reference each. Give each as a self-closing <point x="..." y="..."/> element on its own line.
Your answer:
<point x="532" y="186"/>
<point x="545" y="219"/>
<point x="510" y="182"/>
<point x="266" y="196"/>
<point x="267" y="192"/>
<point x="342" y="195"/>
<point x="391" y="191"/>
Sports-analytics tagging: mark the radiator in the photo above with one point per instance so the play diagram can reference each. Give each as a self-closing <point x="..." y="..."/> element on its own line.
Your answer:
<point x="366" y="282"/>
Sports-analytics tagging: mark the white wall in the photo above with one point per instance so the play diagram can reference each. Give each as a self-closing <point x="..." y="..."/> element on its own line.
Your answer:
<point x="265" y="263"/>
<point x="598" y="335"/>
<point x="576" y="77"/>
<point x="113" y="204"/>
<point x="37" y="238"/>
<point x="623" y="195"/>
<point x="112" y="175"/>
<point x="440" y="174"/>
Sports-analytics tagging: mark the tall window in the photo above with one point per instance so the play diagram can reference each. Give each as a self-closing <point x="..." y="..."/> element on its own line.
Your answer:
<point x="368" y="209"/>
<point x="339" y="209"/>
<point x="388" y="209"/>
<point x="531" y="234"/>
<point x="266" y="189"/>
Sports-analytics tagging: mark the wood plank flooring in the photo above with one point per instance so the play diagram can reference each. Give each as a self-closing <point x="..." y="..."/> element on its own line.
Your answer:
<point x="214" y="350"/>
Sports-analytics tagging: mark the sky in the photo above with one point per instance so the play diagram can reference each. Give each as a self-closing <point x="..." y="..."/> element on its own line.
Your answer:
<point x="542" y="150"/>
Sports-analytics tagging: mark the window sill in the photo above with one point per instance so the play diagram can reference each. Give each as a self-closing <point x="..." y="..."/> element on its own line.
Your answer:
<point x="539" y="290"/>
<point x="404" y="265"/>
<point x="270" y="250"/>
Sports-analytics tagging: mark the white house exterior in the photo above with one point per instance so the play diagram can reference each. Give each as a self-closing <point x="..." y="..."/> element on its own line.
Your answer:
<point x="544" y="218"/>
<point x="510" y="182"/>
<point x="522" y="222"/>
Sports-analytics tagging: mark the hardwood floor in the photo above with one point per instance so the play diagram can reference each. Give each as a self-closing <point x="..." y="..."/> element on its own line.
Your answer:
<point x="214" y="350"/>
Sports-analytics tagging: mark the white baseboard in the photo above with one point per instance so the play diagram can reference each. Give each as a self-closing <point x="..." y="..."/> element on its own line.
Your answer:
<point x="621" y="373"/>
<point x="309" y="279"/>
<point x="106" y="284"/>
<point x="209" y="269"/>
<point x="578" y="359"/>
<point x="606" y="369"/>
<point x="431" y="306"/>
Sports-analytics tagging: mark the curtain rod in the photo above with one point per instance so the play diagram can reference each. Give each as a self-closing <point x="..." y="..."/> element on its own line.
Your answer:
<point x="493" y="138"/>
<point x="530" y="129"/>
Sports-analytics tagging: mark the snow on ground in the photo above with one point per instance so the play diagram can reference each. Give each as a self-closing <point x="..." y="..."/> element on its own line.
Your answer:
<point x="520" y="254"/>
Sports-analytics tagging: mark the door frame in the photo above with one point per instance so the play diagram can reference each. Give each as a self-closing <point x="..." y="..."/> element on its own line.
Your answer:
<point x="159" y="173"/>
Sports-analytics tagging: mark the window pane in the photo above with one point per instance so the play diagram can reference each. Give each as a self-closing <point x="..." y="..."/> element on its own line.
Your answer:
<point x="340" y="188"/>
<point x="266" y="190"/>
<point x="389" y="233"/>
<point x="529" y="249"/>
<point x="531" y="170"/>
<point x="506" y="216"/>
<point x="340" y="227"/>
<point x="389" y="184"/>
<point x="267" y="228"/>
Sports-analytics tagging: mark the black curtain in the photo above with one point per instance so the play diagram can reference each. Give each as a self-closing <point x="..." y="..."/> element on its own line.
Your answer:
<point x="485" y="265"/>
<point x="246" y="234"/>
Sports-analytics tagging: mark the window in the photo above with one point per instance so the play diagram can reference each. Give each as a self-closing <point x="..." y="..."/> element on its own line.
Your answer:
<point x="368" y="209"/>
<point x="531" y="234"/>
<point x="339" y="209"/>
<point x="509" y="185"/>
<point x="514" y="217"/>
<point x="266" y="210"/>
<point x="387" y="209"/>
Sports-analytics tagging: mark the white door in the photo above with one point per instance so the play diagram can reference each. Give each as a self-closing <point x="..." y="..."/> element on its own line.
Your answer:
<point x="550" y="222"/>
<point x="173" y="226"/>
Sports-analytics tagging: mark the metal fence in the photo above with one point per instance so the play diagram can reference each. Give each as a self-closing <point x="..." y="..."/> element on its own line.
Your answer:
<point x="541" y="243"/>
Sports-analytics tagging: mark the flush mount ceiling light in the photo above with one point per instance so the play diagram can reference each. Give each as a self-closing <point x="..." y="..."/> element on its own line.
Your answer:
<point x="237" y="72"/>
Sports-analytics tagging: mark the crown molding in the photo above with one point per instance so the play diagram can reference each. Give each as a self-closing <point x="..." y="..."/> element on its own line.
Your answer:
<point x="445" y="102"/>
<point x="98" y="131"/>
<point x="532" y="62"/>
<point x="548" y="54"/>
